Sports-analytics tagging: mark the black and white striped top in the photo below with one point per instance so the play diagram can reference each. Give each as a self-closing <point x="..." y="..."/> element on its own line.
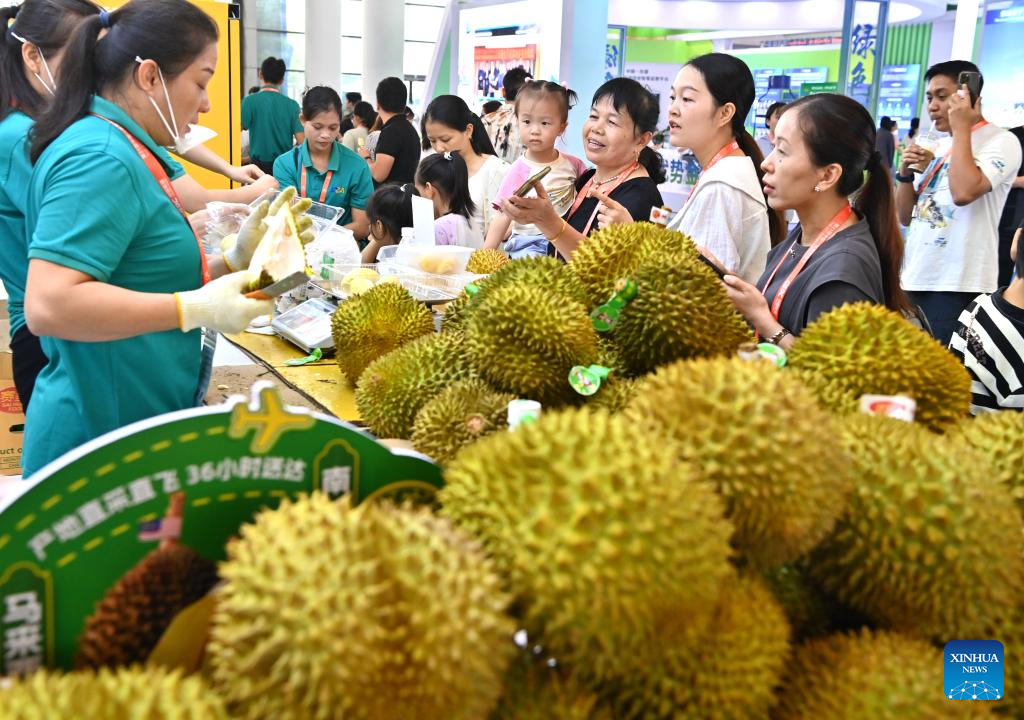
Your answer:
<point x="989" y="340"/>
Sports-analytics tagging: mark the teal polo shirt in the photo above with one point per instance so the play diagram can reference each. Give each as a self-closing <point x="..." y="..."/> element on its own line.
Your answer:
<point x="272" y="119"/>
<point x="351" y="184"/>
<point x="15" y="172"/>
<point x="93" y="206"/>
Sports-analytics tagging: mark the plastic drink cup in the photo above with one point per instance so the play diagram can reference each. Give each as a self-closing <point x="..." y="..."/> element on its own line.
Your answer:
<point x="928" y="141"/>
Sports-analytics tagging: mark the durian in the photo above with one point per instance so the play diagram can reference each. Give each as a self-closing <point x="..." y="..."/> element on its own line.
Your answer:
<point x="394" y="387"/>
<point x="616" y="252"/>
<point x="373" y="612"/>
<point x="809" y="611"/>
<point x="1012" y="638"/>
<point x="869" y="676"/>
<point x="930" y="544"/>
<point x="725" y="668"/>
<point x="524" y="340"/>
<point x="486" y="261"/>
<point x="1000" y="436"/>
<point x="614" y="395"/>
<point x="534" y="691"/>
<point x="544" y="273"/>
<point x="680" y="312"/>
<point x="124" y="694"/>
<point x="280" y="253"/>
<point x="862" y="348"/>
<point x="131" y="618"/>
<point x="460" y="414"/>
<point x="753" y="430"/>
<point x="373" y="324"/>
<point x="596" y="526"/>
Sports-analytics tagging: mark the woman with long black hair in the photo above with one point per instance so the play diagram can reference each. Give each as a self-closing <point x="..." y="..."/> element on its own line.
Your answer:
<point x="117" y="278"/>
<point x="31" y="54"/>
<point x="450" y="126"/>
<point x="848" y="246"/>
<point x="726" y="211"/>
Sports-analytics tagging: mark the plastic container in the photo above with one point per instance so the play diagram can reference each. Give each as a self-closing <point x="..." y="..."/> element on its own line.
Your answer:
<point x="434" y="259"/>
<point x="324" y="216"/>
<point x="340" y="280"/>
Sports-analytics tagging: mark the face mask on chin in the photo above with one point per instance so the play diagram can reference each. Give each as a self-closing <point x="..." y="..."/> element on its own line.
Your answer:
<point x="196" y="135"/>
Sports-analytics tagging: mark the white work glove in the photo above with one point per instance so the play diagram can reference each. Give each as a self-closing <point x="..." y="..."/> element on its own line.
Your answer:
<point x="221" y="305"/>
<point x="238" y="256"/>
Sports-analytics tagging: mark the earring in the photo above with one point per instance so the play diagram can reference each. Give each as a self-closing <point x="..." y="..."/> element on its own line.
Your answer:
<point x="817" y="188"/>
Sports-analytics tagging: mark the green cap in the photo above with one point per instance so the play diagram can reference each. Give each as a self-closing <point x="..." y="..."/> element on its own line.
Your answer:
<point x="587" y="380"/>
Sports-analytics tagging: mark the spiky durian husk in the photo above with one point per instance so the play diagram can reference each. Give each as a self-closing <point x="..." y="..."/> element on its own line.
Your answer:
<point x="680" y="312"/>
<point x="930" y="544"/>
<point x="460" y="414"/>
<point x="486" y="261"/>
<point x="746" y="425"/>
<point x="861" y="349"/>
<point x="130" y="619"/>
<point x="524" y="340"/>
<point x="727" y="667"/>
<point x="596" y="525"/>
<point x="394" y="387"/>
<point x="374" y="612"/>
<point x="534" y="691"/>
<point x="810" y="612"/>
<point x="1000" y="437"/>
<point x="150" y="693"/>
<point x="544" y="273"/>
<point x="869" y="676"/>
<point x="616" y="252"/>
<point x="372" y="324"/>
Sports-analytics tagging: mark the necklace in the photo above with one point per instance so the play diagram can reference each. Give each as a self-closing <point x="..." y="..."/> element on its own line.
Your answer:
<point x="616" y="176"/>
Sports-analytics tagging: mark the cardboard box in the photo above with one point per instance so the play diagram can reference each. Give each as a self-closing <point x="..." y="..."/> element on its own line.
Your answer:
<point x="12" y="420"/>
<point x="12" y="417"/>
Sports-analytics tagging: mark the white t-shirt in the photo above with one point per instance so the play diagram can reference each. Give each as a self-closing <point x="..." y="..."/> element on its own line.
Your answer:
<point x="956" y="249"/>
<point x="727" y="214"/>
<point x="483" y="188"/>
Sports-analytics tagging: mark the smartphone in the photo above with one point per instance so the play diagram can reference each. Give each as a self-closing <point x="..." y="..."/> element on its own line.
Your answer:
<point x="718" y="270"/>
<point x="525" y="187"/>
<point x="973" y="82"/>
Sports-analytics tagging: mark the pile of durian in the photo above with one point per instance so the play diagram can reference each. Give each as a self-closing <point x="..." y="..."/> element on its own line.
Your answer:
<point x="705" y="537"/>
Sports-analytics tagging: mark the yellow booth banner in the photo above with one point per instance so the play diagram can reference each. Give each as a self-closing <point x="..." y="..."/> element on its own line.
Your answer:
<point x="225" y="90"/>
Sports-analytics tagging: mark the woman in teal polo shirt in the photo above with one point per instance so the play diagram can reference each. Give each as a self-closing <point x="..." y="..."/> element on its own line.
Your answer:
<point x="323" y="169"/>
<point x="117" y="280"/>
<point x="31" y="52"/>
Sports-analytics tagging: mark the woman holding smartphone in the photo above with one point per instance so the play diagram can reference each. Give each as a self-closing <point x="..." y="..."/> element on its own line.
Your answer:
<point x="623" y="117"/>
<point x="840" y="253"/>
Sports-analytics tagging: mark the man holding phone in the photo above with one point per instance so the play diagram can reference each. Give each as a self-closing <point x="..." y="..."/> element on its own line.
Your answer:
<point x="952" y="208"/>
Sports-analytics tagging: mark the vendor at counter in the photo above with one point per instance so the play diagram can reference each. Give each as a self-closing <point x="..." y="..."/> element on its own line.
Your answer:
<point x="624" y="185"/>
<point x="323" y="169"/>
<point x="117" y="282"/>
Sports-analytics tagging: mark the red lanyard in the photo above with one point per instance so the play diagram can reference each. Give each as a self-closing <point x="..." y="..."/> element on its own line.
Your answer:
<point x="945" y="158"/>
<point x="160" y="175"/>
<point x="323" y="190"/>
<point x="724" y="152"/>
<point x="582" y="195"/>
<point x="830" y="230"/>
